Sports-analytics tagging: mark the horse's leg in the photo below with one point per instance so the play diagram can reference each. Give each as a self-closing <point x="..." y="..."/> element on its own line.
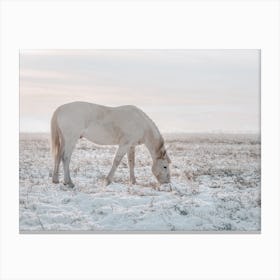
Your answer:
<point x="122" y="150"/>
<point x="66" y="157"/>
<point x="131" y="163"/>
<point x="57" y="161"/>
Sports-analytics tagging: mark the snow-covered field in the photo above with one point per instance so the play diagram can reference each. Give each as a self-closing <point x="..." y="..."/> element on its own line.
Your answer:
<point x="215" y="187"/>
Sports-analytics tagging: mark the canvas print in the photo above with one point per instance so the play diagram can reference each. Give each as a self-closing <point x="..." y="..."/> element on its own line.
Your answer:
<point x="146" y="141"/>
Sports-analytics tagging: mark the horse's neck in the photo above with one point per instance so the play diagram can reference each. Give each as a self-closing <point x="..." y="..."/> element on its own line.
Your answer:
<point x="153" y="141"/>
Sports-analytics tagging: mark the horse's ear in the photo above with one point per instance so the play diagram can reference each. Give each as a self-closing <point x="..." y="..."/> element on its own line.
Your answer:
<point x="168" y="158"/>
<point x="161" y="151"/>
<point x="163" y="155"/>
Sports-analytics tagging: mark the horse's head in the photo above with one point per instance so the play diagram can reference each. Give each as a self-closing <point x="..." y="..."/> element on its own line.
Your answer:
<point x="160" y="166"/>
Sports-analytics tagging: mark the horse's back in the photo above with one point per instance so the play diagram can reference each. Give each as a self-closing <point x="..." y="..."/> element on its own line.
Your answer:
<point x="102" y="124"/>
<point x="116" y="125"/>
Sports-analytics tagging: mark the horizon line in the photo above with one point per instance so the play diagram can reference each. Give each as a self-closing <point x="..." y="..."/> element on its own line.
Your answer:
<point x="173" y="132"/>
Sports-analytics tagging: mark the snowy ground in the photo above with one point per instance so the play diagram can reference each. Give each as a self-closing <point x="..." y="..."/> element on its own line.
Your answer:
<point x="215" y="187"/>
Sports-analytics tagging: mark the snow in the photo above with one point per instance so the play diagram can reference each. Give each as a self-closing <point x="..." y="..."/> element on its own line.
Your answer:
<point x="215" y="187"/>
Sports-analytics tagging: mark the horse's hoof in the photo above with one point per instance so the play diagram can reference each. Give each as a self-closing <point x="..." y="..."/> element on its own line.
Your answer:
<point x="55" y="181"/>
<point x="107" y="182"/>
<point x="70" y="185"/>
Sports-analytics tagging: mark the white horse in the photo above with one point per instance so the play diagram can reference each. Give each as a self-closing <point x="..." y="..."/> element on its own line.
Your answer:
<point x="125" y="126"/>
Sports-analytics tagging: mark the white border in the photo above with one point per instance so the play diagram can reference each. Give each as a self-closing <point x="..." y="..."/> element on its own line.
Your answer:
<point x="99" y="25"/>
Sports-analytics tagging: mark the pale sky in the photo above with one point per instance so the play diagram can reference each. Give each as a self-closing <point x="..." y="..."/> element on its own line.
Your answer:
<point x="181" y="90"/>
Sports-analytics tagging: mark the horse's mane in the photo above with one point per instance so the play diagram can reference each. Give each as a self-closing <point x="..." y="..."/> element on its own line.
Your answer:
<point x="161" y="140"/>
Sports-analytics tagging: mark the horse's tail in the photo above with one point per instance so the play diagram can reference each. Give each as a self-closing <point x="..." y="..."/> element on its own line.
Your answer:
<point x="56" y="137"/>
